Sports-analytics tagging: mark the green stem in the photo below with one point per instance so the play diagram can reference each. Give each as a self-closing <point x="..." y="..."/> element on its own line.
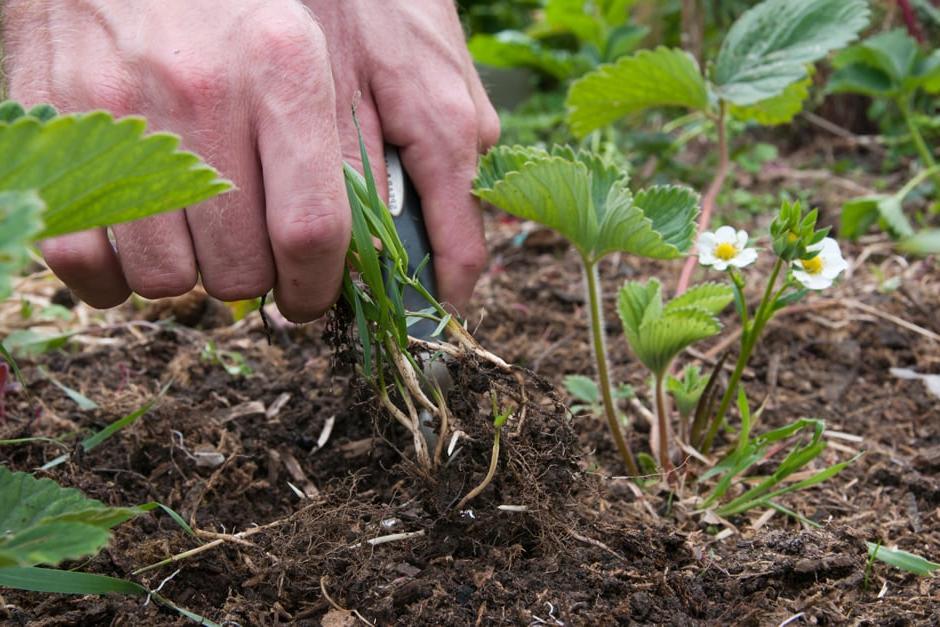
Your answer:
<point x="600" y="355"/>
<point x="926" y="156"/>
<point x="748" y="341"/>
<point x="664" y="461"/>
<point x="916" y="136"/>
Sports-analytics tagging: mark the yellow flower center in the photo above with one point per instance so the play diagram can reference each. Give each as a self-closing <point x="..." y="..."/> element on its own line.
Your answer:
<point x="814" y="265"/>
<point x="726" y="251"/>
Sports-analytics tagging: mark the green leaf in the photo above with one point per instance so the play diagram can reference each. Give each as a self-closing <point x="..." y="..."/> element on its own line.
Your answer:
<point x="49" y="580"/>
<point x="657" y="333"/>
<point x="649" y="78"/>
<point x="509" y="49"/>
<point x="860" y="79"/>
<point x="673" y="211"/>
<point x="44" y="523"/>
<point x="582" y="388"/>
<point x="907" y="562"/>
<point x="586" y="200"/>
<point x="923" y="242"/>
<point x="711" y="297"/>
<point x="893" y="54"/>
<point x="639" y="303"/>
<point x="92" y="170"/>
<point x="858" y="215"/>
<point x="778" y="109"/>
<point x="659" y="341"/>
<point x="19" y="224"/>
<point x="768" y="47"/>
<point x="688" y="390"/>
<point x="28" y="343"/>
<point x="623" y="40"/>
<point x="95" y="440"/>
<point x="928" y="72"/>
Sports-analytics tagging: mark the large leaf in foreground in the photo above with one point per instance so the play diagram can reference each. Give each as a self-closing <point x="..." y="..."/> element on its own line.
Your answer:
<point x="768" y="47"/>
<point x="44" y="523"/>
<point x="92" y="170"/>
<point x="649" y="78"/>
<point x="19" y="223"/>
<point x="587" y="200"/>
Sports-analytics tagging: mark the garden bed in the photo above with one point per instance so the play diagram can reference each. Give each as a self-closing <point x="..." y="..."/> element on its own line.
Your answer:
<point x="242" y="455"/>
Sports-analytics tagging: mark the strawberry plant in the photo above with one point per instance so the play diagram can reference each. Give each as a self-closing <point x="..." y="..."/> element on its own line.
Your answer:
<point x="760" y="76"/>
<point x="588" y="201"/>
<point x="58" y="175"/>
<point x="891" y="67"/>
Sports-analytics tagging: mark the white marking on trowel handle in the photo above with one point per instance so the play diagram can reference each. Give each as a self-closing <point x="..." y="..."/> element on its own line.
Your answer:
<point x="396" y="181"/>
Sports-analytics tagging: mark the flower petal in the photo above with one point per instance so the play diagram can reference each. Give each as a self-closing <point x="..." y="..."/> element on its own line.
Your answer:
<point x="707" y="241"/>
<point x="744" y="258"/>
<point x="725" y="234"/>
<point x="812" y="281"/>
<point x="742" y="239"/>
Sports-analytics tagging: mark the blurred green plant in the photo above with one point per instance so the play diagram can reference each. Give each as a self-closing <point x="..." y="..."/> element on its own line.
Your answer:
<point x="761" y="75"/>
<point x="891" y="67"/>
<point x="232" y="362"/>
<point x="566" y="38"/>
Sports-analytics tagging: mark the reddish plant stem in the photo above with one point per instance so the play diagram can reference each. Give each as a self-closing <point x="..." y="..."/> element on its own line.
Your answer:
<point x="709" y="200"/>
<point x="910" y="20"/>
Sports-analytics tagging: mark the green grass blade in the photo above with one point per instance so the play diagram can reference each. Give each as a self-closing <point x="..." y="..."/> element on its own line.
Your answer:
<point x="907" y="562"/>
<point x="792" y="514"/>
<point x="84" y="403"/>
<point x="92" y="441"/>
<point x="35" y="579"/>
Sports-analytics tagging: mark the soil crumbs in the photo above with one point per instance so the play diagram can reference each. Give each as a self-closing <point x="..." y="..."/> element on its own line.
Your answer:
<point x="294" y="471"/>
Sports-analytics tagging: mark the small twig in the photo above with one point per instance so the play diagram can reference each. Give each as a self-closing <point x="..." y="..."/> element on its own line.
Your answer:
<point x="336" y="606"/>
<point x="392" y="537"/>
<point x="577" y="536"/>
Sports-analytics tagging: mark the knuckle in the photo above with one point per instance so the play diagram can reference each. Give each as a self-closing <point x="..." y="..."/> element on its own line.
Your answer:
<point x="312" y="234"/>
<point x="294" y="46"/>
<point x="112" y="91"/>
<point x="198" y="83"/>
<point x="457" y="119"/>
<point x="470" y="259"/>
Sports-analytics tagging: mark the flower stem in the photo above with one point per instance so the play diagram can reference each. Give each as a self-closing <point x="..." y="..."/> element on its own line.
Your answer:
<point x="664" y="461"/>
<point x="600" y="355"/>
<point x="748" y="341"/>
<point x="710" y="199"/>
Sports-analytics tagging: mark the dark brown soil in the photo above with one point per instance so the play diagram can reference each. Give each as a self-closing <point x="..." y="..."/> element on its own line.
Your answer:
<point x="589" y="550"/>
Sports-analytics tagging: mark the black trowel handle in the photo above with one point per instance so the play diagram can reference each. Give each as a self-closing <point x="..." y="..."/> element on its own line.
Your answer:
<point x="405" y="207"/>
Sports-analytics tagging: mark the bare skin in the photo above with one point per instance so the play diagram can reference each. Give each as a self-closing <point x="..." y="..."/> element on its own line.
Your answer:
<point x="262" y="90"/>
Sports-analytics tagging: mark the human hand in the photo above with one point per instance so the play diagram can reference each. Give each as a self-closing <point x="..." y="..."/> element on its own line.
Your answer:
<point x="249" y="88"/>
<point x="419" y="91"/>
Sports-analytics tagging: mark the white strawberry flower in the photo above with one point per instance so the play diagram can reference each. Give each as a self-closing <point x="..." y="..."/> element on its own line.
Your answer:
<point x="819" y="272"/>
<point x="725" y="247"/>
